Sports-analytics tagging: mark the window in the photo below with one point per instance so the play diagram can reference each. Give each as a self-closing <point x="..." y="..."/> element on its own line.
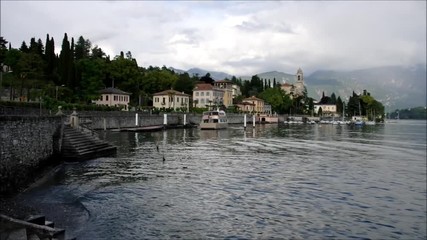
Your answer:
<point x="164" y="101"/>
<point x="202" y="94"/>
<point x="207" y="93"/>
<point x="106" y="97"/>
<point x="115" y="97"/>
<point x="101" y="97"/>
<point x="177" y="99"/>
<point x="197" y="94"/>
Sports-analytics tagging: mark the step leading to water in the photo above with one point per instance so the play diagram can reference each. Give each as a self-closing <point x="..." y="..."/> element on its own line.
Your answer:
<point x="79" y="146"/>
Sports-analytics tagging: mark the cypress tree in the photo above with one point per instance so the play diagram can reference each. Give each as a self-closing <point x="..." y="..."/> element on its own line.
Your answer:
<point x="33" y="45"/>
<point x="71" y="68"/>
<point x="24" y="47"/>
<point x="51" y="60"/>
<point x="40" y="48"/>
<point x="64" y="59"/>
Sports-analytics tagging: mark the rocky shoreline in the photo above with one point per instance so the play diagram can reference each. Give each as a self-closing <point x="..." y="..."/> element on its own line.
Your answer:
<point x="11" y="208"/>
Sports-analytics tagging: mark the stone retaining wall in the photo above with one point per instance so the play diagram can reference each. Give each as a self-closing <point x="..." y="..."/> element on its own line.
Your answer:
<point x="111" y="120"/>
<point x="27" y="144"/>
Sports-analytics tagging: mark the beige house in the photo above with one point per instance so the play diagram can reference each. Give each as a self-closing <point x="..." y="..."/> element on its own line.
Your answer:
<point x="171" y="99"/>
<point x="251" y="105"/>
<point x="114" y="97"/>
<point x="207" y="95"/>
<point x="227" y="86"/>
<point x="327" y="109"/>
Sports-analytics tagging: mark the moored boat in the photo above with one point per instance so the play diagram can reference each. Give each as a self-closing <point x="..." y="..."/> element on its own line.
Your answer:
<point x="216" y="119"/>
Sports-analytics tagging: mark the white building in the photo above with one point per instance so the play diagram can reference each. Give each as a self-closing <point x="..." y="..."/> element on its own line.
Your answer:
<point x="327" y="109"/>
<point x="171" y="99"/>
<point x="206" y="95"/>
<point x="114" y="97"/>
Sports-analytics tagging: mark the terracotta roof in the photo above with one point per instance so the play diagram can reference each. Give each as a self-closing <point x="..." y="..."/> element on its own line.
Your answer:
<point x="111" y="90"/>
<point x="253" y="98"/>
<point x="203" y="87"/>
<point x="171" y="92"/>
<point x="287" y="85"/>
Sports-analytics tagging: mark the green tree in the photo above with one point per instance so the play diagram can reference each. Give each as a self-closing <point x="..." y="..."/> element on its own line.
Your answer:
<point x="184" y="84"/>
<point x="280" y="101"/>
<point x="24" y="48"/>
<point x="93" y="72"/>
<point x="333" y="99"/>
<point x="64" y="62"/>
<point x="3" y="51"/>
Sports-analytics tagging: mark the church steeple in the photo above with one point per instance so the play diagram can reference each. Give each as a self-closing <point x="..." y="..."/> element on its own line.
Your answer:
<point x="300" y="76"/>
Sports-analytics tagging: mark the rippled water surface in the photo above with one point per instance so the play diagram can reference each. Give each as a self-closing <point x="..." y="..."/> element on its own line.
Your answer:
<point x="292" y="182"/>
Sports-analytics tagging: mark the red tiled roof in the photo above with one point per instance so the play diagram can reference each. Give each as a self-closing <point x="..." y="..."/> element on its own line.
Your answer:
<point x="252" y="99"/>
<point x="203" y="87"/>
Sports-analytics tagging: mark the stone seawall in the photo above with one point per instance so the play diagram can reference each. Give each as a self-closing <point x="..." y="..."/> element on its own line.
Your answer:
<point x="117" y="120"/>
<point x="27" y="145"/>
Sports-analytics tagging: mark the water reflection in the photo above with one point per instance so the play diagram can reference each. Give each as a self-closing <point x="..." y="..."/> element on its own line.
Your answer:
<point x="303" y="182"/>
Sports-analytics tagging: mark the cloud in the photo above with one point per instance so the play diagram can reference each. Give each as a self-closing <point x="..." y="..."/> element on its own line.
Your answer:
<point x="241" y="38"/>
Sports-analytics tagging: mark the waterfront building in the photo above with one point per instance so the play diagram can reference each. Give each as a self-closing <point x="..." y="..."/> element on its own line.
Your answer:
<point x="296" y="89"/>
<point x="236" y="91"/>
<point x="227" y="86"/>
<point x="171" y="99"/>
<point x="114" y="97"/>
<point x="207" y="95"/>
<point x="251" y="105"/>
<point x="327" y="109"/>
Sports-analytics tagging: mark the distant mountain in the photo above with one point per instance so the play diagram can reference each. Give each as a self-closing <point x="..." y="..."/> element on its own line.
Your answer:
<point x="280" y="77"/>
<point x="214" y="75"/>
<point x="394" y="86"/>
<point x="176" y="70"/>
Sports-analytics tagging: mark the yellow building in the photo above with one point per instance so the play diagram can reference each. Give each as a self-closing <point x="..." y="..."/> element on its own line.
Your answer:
<point x="114" y="97"/>
<point x="251" y="105"/>
<point x="171" y="99"/>
<point x="227" y="86"/>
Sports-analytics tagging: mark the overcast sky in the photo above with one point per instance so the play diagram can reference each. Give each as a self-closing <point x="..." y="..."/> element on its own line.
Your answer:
<point x="237" y="37"/>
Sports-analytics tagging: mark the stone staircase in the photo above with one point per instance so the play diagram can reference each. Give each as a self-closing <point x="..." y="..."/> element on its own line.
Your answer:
<point x="79" y="146"/>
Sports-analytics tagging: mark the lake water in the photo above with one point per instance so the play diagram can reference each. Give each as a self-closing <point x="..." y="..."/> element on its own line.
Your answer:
<point x="291" y="182"/>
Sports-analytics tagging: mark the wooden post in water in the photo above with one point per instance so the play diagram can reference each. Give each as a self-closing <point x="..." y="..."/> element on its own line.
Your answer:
<point x="136" y="119"/>
<point x="105" y="124"/>
<point x="185" y="119"/>
<point x="244" y="121"/>
<point x="165" y="120"/>
<point x="253" y="120"/>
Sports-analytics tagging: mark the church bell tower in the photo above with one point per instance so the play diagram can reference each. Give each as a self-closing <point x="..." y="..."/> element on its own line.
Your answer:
<point x="299" y="85"/>
<point x="300" y="76"/>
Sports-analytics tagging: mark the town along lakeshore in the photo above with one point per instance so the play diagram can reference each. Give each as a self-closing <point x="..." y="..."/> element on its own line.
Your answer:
<point x="272" y="181"/>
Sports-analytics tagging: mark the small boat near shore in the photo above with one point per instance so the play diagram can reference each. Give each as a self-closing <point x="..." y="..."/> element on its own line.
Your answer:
<point x="216" y="119"/>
